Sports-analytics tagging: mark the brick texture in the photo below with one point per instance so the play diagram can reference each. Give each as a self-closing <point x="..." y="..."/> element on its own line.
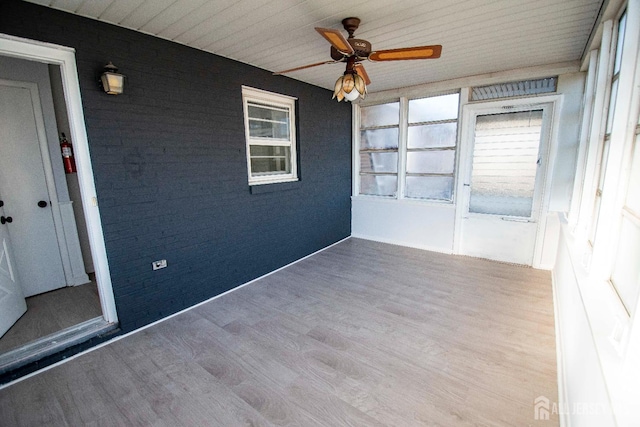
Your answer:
<point x="169" y="160"/>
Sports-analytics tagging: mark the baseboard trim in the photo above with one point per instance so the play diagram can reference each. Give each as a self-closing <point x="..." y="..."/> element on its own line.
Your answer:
<point x="119" y="337"/>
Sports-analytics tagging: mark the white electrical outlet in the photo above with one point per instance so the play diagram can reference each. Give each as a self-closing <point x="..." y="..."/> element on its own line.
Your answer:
<point x="157" y="265"/>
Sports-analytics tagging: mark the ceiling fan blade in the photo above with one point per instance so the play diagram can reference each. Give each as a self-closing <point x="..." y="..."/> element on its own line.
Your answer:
<point x="277" y="73"/>
<point x="418" y="52"/>
<point x="337" y="40"/>
<point x="362" y="73"/>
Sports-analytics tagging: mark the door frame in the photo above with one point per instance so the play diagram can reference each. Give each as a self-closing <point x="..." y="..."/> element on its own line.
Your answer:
<point x="469" y="113"/>
<point x="64" y="57"/>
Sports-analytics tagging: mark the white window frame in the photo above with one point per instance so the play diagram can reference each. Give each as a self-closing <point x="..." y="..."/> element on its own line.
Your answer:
<point x="277" y="101"/>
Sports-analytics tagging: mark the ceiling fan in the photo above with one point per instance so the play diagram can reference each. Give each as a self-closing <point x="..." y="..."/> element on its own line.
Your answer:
<point x="353" y="83"/>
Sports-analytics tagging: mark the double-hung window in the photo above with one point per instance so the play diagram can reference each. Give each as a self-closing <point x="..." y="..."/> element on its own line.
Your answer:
<point x="269" y="120"/>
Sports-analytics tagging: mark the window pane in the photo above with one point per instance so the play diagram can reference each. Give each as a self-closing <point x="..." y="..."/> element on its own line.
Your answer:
<point x="379" y="139"/>
<point x="270" y="166"/>
<point x="380" y="115"/>
<point x="428" y="136"/>
<point x="633" y="189"/>
<point x="602" y="166"/>
<point x="619" y="43"/>
<point x="429" y="187"/>
<point x="431" y="161"/>
<point x="261" y="129"/>
<point x="379" y="162"/>
<point x="269" y="160"/>
<point x="378" y="185"/>
<point x="612" y="105"/>
<point x="626" y="272"/>
<point x="497" y="204"/>
<point x="443" y="107"/>
<point x="264" y="112"/>
<point x="269" y="150"/>
<point x="505" y="161"/>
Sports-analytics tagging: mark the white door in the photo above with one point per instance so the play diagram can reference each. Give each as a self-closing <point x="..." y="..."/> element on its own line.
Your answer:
<point x="12" y="302"/>
<point x="503" y="164"/>
<point x="23" y="186"/>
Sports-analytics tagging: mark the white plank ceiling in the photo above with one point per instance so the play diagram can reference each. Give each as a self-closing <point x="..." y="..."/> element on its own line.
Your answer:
<point x="478" y="36"/>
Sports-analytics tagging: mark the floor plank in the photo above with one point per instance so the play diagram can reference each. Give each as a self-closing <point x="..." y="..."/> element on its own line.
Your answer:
<point x="363" y="333"/>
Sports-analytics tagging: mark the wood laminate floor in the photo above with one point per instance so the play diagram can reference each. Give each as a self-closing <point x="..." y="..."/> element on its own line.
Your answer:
<point x="362" y="334"/>
<point x="52" y="312"/>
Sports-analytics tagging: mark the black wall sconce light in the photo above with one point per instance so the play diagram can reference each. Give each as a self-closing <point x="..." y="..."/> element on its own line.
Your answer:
<point x="112" y="81"/>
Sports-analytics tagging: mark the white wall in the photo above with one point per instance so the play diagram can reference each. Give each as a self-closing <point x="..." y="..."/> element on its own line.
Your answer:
<point x="403" y="222"/>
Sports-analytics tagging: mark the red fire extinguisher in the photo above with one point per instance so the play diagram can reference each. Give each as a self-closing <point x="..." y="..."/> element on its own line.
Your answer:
<point x="67" y="155"/>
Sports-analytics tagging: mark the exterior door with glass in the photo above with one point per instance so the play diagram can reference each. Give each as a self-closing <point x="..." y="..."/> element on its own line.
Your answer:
<point x="503" y="163"/>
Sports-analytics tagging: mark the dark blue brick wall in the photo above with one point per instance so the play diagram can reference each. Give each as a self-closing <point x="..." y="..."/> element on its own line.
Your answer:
<point x="170" y="166"/>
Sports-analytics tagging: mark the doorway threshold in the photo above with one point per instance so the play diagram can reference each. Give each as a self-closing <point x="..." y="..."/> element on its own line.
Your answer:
<point x="54" y="343"/>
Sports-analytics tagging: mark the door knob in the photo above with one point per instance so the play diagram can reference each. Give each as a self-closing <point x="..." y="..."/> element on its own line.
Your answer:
<point x="42" y="204"/>
<point x="1" y="203"/>
<point x="5" y="219"/>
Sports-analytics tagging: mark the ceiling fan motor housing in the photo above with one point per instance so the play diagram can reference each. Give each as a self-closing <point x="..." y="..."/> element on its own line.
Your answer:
<point x="362" y="48"/>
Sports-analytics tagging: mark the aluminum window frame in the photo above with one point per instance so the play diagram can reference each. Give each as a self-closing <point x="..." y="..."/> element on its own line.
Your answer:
<point x="403" y="150"/>
<point x="454" y="148"/>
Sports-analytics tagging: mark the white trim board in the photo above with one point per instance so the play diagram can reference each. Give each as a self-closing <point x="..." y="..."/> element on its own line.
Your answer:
<point x="118" y="338"/>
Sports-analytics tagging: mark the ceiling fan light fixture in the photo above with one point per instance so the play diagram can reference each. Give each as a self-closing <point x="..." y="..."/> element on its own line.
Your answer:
<point x="353" y="84"/>
<point x="350" y="86"/>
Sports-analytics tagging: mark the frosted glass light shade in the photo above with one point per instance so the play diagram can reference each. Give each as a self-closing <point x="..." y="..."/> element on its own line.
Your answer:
<point x="112" y="81"/>
<point x="350" y="86"/>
